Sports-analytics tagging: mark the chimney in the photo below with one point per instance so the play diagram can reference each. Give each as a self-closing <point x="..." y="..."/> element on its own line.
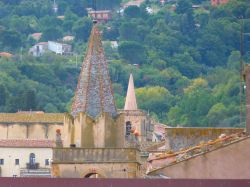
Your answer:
<point x="247" y="81"/>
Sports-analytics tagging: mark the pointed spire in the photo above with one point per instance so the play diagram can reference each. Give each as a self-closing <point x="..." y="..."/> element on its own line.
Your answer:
<point x="131" y="103"/>
<point x="94" y="93"/>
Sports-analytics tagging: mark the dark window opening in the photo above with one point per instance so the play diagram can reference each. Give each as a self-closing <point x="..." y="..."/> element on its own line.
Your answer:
<point x="128" y="128"/>
<point x="32" y="159"/>
<point x="1" y="161"/>
<point x="46" y="162"/>
<point x="16" y="161"/>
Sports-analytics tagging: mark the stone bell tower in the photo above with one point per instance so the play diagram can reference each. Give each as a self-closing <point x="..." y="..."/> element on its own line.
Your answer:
<point x="93" y="133"/>
<point x="137" y="122"/>
<point x="94" y="121"/>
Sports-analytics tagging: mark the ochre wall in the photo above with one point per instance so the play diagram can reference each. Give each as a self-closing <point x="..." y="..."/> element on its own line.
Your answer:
<point x="105" y="170"/>
<point x="29" y="131"/>
<point x="37" y="131"/>
<point x="229" y="162"/>
<point x="108" y="162"/>
<point x="67" y="130"/>
<point x="3" y="131"/>
<point x="138" y="120"/>
<point x="90" y="133"/>
<point x="16" y="131"/>
<point x="178" y="138"/>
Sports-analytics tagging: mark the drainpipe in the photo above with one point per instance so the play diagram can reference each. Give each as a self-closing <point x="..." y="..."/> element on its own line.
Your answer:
<point x="247" y="81"/>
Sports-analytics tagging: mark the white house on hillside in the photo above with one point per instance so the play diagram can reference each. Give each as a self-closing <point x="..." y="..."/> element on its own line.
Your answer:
<point x="59" y="48"/>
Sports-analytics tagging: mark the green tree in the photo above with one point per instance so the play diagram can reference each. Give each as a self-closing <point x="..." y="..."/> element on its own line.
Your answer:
<point x="128" y="31"/>
<point x="82" y="29"/>
<point x="52" y="33"/>
<point x="3" y="95"/>
<point x="155" y="99"/>
<point x="216" y="114"/>
<point x="132" y="12"/>
<point x="133" y="52"/>
<point x="10" y="39"/>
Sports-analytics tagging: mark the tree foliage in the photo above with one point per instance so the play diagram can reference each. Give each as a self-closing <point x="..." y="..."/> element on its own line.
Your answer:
<point x="185" y="61"/>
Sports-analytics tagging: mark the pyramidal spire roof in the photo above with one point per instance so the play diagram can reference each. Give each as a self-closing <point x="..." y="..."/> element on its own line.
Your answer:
<point x="94" y="93"/>
<point x="131" y="103"/>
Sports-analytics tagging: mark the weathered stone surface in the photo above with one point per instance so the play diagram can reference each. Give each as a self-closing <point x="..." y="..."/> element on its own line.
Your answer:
<point x="94" y="93"/>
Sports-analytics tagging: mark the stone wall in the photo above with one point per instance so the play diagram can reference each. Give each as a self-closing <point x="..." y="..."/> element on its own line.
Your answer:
<point x="107" y="162"/>
<point x="178" y="138"/>
<point x="84" y="131"/>
<point x="139" y="121"/>
<point x="29" y="131"/>
<point x="30" y="125"/>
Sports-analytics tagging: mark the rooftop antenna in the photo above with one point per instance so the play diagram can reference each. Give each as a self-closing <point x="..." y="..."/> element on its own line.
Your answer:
<point x="55" y="7"/>
<point x="94" y="7"/>
<point x="241" y="68"/>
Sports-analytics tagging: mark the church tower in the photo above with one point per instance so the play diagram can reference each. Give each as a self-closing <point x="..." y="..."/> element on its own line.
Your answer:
<point x="137" y="122"/>
<point x="130" y="103"/>
<point x="93" y="133"/>
<point x="94" y="121"/>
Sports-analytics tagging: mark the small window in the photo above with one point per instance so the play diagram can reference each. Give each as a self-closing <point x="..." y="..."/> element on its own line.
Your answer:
<point x="128" y="128"/>
<point x="46" y="162"/>
<point x="17" y="161"/>
<point x="1" y="161"/>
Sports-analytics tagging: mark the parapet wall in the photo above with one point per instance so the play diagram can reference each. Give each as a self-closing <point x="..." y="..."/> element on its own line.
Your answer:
<point x="90" y="155"/>
<point x="178" y="138"/>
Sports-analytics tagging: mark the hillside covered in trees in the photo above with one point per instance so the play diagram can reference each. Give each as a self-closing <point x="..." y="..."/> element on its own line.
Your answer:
<point x="185" y="60"/>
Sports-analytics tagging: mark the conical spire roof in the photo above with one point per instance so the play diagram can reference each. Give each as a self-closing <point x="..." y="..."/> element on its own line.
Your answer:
<point x="94" y="93"/>
<point x="130" y="103"/>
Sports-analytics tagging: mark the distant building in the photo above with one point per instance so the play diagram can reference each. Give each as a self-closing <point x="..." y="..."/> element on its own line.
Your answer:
<point x="68" y="38"/>
<point x="61" y="17"/>
<point x="25" y="158"/>
<point x="59" y="48"/>
<point x="100" y="15"/>
<point x="133" y="3"/>
<point x="36" y="36"/>
<point x="6" y="54"/>
<point x="30" y="125"/>
<point x="112" y="44"/>
<point x="218" y="2"/>
<point x="159" y="132"/>
<point x="39" y="49"/>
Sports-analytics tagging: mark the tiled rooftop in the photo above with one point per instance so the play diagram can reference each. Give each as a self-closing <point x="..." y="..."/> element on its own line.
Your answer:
<point x="31" y="117"/>
<point x="6" y="54"/>
<point x="159" y="160"/>
<point x="26" y="143"/>
<point x="94" y="94"/>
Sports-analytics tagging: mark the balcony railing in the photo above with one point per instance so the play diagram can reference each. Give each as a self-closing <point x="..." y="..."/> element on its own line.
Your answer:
<point x="32" y="165"/>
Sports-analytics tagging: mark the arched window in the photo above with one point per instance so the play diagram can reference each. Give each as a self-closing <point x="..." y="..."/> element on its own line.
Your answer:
<point x="32" y="159"/>
<point x="128" y="128"/>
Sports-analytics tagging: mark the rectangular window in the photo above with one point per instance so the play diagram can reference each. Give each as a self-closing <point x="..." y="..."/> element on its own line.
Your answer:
<point x="1" y="161"/>
<point x="17" y="161"/>
<point x="46" y="162"/>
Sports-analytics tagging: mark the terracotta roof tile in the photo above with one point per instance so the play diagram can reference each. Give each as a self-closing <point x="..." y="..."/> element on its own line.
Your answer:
<point x="160" y="160"/>
<point x="26" y="143"/>
<point x="5" y="54"/>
